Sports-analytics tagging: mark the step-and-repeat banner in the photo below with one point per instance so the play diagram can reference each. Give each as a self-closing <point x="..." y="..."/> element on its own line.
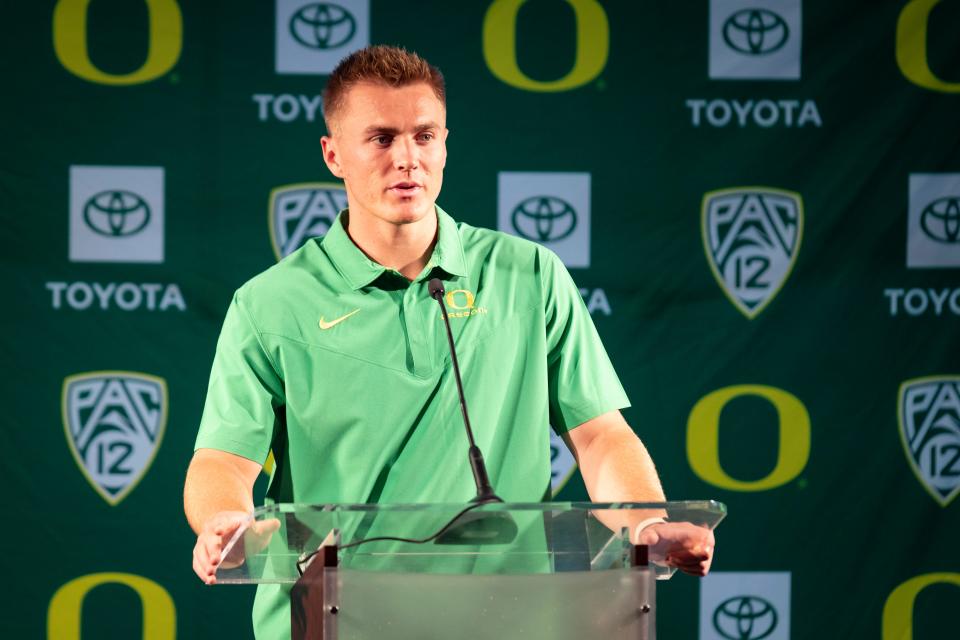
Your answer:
<point x="759" y="200"/>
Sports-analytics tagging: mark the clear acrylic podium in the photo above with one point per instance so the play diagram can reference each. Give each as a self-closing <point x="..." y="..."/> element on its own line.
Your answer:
<point x="538" y="570"/>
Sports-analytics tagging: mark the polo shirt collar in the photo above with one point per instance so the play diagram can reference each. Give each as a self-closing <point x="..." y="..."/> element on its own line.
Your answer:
<point x="448" y="252"/>
<point x="359" y="270"/>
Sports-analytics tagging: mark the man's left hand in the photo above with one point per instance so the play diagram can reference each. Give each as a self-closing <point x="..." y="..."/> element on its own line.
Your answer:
<point x="680" y="544"/>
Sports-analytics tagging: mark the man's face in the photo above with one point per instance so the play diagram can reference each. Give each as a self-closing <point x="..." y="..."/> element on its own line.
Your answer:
<point x="389" y="147"/>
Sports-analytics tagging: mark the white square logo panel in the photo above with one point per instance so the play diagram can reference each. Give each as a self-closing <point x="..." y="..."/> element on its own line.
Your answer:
<point x="745" y="605"/>
<point x="552" y="209"/>
<point x="755" y="39"/>
<point x="116" y="214"/>
<point x="933" y="220"/>
<point x="312" y="37"/>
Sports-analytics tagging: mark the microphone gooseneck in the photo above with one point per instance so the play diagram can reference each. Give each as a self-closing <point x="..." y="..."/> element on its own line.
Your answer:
<point x="484" y="489"/>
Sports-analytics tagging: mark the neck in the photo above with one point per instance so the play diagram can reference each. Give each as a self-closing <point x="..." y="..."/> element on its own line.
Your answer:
<point x="405" y="248"/>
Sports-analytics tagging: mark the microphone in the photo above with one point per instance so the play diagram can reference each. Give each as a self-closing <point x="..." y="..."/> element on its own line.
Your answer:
<point x="472" y="527"/>
<point x="484" y="490"/>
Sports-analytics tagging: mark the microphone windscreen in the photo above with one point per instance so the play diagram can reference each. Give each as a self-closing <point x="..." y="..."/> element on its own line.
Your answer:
<point x="435" y="287"/>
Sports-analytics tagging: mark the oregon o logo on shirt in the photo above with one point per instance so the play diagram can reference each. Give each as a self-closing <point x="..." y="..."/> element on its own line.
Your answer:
<point x="455" y="297"/>
<point x="165" y="40"/>
<point x="703" y="437"/>
<point x="66" y="606"/>
<point x="500" y="45"/>
<point x="463" y="304"/>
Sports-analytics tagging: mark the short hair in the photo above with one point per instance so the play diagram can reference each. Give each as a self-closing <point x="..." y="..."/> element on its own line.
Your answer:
<point x="380" y="64"/>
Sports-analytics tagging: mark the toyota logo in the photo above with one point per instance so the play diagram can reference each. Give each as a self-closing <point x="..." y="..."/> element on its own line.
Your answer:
<point x="116" y="213"/>
<point x="940" y="220"/>
<point x="544" y="219"/>
<point x="755" y="32"/>
<point x="322" y="26"/>
<point x="745" y="618"/>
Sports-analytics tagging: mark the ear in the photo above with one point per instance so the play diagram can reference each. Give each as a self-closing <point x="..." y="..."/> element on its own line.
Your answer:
<point x="446" y="132"/>
<point x="331" y="156"/>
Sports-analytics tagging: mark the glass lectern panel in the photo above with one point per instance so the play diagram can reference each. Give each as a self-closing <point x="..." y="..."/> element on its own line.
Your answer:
<point x="279" y="541"/>
<point x="570" y="605"/>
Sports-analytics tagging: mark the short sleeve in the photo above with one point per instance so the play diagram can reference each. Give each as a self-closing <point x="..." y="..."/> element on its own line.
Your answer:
<point x="245" y="392"/>
<point x="581" y="378"/>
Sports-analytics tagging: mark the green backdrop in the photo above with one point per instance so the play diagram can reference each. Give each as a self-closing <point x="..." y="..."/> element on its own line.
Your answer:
<point x="759" y="198"/>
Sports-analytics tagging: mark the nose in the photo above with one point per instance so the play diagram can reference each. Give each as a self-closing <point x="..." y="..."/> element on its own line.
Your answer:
<point x="405" y="156"/>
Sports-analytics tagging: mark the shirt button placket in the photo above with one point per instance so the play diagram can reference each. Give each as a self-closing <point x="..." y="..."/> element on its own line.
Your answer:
<point x="416" y="331"/>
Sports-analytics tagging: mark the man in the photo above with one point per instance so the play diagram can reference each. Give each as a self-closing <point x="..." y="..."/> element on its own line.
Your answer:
<point x="336" y="359"/>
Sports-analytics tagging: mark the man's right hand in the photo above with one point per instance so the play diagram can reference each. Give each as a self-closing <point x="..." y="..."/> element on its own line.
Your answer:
<point x="217" y="499"/>
<point x="213" y="537"/>
<point x="217" y="532"/>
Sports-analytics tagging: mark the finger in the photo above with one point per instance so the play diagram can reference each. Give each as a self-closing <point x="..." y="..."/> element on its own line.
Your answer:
<point x="197" y="569"/>
<point x="683" y="556"/>
<point x="648" y="537"/>
<point x="691" y="566"/>
<point x="208" y="560"/>
<point x="200" y="553"/>
<point x="697" y="571"/>
<point x="692" y="549"/>
<point x="202" y="566"/>
<point x="264" y="528"/>
<point x="688" y="567"/>
<point x="267" y="526"/>
<point x="226" y="527"/>
<point x="682" y="563"/>
<point x="687" y="564"/>
<point x="212" y="546"/>
<point x="213" y="551"/>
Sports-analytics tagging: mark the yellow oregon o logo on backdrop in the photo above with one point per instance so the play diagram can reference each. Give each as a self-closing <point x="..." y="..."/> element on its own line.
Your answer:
<point x="912" y="47"/>
<point x="500" y="45"/>
<point x="159" y="614"/>
<point x="163" y="49"/>
<point x="703" y="437"/>
<point x="467" y="297"/>
<point x="898" y="609"/>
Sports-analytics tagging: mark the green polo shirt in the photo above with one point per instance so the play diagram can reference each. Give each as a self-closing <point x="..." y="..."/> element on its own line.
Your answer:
<point x="342" y="368"/>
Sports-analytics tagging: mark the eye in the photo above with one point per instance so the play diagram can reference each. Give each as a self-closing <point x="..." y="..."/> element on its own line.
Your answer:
<point x="381" y="139"/>
<point x="427" y="136"/>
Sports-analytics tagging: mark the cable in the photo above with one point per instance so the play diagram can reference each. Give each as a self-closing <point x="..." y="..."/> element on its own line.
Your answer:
<point x="357" y="543"/>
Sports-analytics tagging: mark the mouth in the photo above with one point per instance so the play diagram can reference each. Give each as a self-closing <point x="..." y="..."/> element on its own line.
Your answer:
<point x="406" y="188"/>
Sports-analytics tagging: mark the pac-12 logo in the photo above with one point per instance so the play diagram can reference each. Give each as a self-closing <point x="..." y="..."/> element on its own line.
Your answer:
<point x="114" y="422"/>
<point x="751" y="236"/>
<point x="302" y="211"/>
<point x="929" y="415"/>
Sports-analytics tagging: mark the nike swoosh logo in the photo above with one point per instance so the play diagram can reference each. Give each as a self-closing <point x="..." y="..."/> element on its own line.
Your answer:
<point x="333" y="323"/>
